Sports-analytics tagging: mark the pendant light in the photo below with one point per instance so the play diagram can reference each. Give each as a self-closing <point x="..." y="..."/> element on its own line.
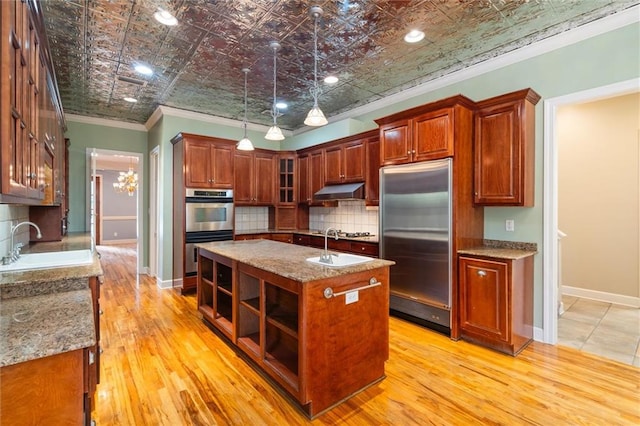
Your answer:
<point x="274" y="133"/>
<point x="245" y="144"/>
<point x="315" y="116"/>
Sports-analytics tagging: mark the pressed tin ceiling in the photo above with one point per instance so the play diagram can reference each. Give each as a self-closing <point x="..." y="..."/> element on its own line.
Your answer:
<point x="197" y="64"/>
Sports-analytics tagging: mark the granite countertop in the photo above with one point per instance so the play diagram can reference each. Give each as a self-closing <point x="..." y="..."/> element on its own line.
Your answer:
<point x="502" y="249"/>
<point x="39" y="326"/>
<point x="45" y="312"/>
<point x="312" y="232"/>
<point x="287" y="260"/>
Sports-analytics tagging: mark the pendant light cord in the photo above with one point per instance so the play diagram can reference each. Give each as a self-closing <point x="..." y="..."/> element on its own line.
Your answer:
<point x="244" y="122"/>
<point x="274" y="109"/>
<point x="315" y="60"/>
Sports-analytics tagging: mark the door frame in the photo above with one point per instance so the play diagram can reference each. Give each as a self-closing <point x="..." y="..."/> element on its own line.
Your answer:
<point x="550" y="191"/>
<point x="154" y="196"/>
<point x="91" y="153"/>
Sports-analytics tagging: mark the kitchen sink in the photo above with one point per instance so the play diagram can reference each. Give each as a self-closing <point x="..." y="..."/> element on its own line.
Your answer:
<point x="54" y="259"/>
<point x="341" y="260"/>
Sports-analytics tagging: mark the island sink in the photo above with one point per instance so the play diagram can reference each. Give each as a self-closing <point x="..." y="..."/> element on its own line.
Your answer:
<point x="341" y="260"/>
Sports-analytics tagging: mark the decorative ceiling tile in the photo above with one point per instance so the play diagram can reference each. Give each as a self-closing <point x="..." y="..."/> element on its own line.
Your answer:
<point x="197" y="64"/>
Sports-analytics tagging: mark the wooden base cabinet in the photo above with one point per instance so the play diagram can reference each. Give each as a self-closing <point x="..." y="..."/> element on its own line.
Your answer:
<point x="496" y="302"/>
<point x="320" y="350"/>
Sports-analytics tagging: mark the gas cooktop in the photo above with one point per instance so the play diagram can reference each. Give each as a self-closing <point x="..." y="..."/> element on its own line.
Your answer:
<point x="347" y="234"/>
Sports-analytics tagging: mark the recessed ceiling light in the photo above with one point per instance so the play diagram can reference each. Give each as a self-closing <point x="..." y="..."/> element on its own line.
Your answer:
<point x="133" y="100"/>
<point x="165" y="17"/>
<point x="414" y="36"/>
<point x="281" y="105"/>
<point x="143" y="69"/>
<point x="331" y="79"/>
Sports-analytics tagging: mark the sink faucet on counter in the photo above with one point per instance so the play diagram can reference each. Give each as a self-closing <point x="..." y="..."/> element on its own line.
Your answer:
<point x="326" y="256"/>
<point x="14" y="252"/>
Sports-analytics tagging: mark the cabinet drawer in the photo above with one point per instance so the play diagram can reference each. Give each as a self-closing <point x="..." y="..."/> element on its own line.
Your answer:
<point x="301" y="240"/>
<point x="365" y="248"/>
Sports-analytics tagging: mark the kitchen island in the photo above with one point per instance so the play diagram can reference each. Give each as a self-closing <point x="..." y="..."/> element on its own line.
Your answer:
<point x="321" y="333"/>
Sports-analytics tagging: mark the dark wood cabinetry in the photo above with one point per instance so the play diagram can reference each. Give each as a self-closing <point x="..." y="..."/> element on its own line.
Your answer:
<point x="208" y="162"/>
<point x="422" y="133"/>
<point x="254" y="178"/>
<point x="496" y="302"/>
<point x="505" y="150"/>
<point x="310" y="175"/>
<point x="31" y="124"/>
<point x="357" y="247"/>
<point x="345" y="161"/>
<point x="292" y="331"/>
<point x="372" y="179"/>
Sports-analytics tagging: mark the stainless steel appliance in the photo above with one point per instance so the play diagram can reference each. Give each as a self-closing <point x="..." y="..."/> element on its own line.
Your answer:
<point x="415" y="232"/>
<point x="208" y="217"/>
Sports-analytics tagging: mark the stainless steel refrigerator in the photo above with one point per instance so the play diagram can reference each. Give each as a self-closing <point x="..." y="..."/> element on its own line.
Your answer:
<point x="415" y="232"/>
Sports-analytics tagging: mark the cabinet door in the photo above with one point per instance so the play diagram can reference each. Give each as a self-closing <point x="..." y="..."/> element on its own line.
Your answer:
<point x="304" y="195"/>
<point x="286" y="180"/>
<point x="264" y="176"/>
<point x="316" y="173"/>
<point x="433" y="135"/>
<point x="395" y="143"/>
<point x="244" y="178"/>
<point x="197" y="164"/>
<point x="498" y="156"/>
<point x="483" y="298"/>
<point x="333" y="169"/>
<point x="353" y="162"/>
<point x="372" y="182"/>
<point x="222" y="172"/>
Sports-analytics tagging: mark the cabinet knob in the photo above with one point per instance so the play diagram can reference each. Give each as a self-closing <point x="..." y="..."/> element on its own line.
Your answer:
<point x="31" y="175"/>
<point x="482" y="273"/>
<point x="408" y="152"/>
<point x="413" y="151"/>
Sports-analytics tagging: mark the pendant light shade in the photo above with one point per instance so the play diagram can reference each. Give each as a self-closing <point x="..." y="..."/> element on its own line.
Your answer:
<point x="274" y="133"/>
<point x="245" y="144"/>
<point x="315" y="116"/>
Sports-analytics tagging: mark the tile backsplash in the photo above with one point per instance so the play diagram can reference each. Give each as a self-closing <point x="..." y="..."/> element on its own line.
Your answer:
<point x="349" y="216"/>
<point x="251" y="218"/>
<point x="12" y="214"/>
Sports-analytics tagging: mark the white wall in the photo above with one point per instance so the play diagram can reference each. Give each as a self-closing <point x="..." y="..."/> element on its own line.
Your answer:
<point x="598" y="194"/>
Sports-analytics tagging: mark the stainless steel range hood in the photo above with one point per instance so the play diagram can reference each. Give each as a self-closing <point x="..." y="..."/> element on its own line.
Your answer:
<point x="345" y="191"/>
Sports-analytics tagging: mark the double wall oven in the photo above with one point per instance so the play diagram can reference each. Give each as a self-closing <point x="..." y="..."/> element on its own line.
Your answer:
<point x="208" y="217"/>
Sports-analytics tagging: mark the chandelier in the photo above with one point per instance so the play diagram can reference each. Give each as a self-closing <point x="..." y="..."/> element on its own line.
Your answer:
<point x="274" y="133"/>
<point x="127" y="182"/>
<point x="245" y="144"/>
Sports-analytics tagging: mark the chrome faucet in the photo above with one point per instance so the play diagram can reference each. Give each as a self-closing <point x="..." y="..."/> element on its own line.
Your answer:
<point x="14" y="252"/>
<point x="326" y="256"/>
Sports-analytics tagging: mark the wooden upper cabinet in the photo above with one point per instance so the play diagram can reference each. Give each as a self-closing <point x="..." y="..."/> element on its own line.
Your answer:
<point x="304" y="188"/>
<point x="254" y="178"/>
<point x="433" y="135"/>
<point x="422" y="133"/>
<point x="24" y="101"/>
<point x="395" y="139"/>
<point x="208" y="162"/>
<point x="344" y="162"/>
<point x="316" y="173"/>
<point x="287" y="181"/>
<point x="504" y="149"/>
<point x="372" y="182"/>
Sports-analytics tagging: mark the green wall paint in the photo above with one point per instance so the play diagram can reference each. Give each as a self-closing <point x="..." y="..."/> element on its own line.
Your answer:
<point x="83" y="136"/>
<point x="601" y="60"/>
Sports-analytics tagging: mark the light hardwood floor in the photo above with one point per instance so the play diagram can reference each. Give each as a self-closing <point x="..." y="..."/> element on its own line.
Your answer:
<point x="162" y="366"/>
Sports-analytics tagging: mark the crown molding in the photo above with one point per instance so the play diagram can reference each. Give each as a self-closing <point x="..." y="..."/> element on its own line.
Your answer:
<point x="592" y="29"/>
<point x="104" y="122"/>
<point x="164" y="110"/>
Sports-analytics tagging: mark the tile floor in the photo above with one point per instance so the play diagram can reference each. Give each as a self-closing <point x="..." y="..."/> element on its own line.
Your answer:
<point x="605" y="329"/>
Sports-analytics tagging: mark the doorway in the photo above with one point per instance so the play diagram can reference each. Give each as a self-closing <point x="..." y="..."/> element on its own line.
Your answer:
<point x="125" y="228"/>
<point x="551" y="293"/>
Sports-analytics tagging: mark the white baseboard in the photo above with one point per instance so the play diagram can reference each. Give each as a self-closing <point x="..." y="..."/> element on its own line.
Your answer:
<point x="538" y="334"/>
<point x="114" y="242"/>
<point x="618" y="299"/>
<point x="168" y="283"/>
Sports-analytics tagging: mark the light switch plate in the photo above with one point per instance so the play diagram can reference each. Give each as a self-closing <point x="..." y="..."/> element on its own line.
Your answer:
<point x="509" y="225"/>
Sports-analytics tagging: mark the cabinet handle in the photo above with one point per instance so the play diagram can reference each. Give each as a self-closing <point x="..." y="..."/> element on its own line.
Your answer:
<point x="413" y="151"/>
<point x="31" y="175"/>
<point x="408" y="152"/>
<point x="482" y="273"/>
<point x="92" y="357"/>
<point x="101" y="312"/>
<point x="373" y="282"/>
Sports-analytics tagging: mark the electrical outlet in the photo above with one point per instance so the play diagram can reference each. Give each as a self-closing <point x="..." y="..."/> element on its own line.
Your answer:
<point x="115" y="234"/>
<point x="351" y="297"/>
<point x="509" y="225"/>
